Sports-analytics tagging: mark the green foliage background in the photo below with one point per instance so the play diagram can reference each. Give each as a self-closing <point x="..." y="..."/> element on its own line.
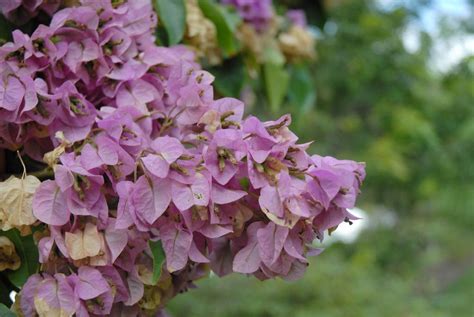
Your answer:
<point x="368" y="98"/>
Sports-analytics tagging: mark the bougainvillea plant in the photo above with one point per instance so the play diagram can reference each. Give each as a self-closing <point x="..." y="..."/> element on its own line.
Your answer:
<point x="264" y="50"/>
<point x="136" y="181"/>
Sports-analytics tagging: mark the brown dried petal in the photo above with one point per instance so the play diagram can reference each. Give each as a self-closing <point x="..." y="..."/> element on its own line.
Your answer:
<point x="9" y="259"/>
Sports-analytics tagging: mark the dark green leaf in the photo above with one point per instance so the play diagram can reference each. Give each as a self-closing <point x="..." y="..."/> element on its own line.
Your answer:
<point x="158" y="259"/>
<point x="161" y="36"/>
<point x="4" y="290"/>
<point x="226" y="23"/>
<point x="230" y="77"/>
<point x="172" y="15"/>
<point x="6" y="29"/>
<point x="276" y="84"/>
<point x="302" y="90"/>
<point x="5" y="311"/>
<point x="28" y="252"/>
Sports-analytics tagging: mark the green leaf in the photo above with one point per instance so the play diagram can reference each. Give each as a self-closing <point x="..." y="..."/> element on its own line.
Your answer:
<point x="230" y="77"/>
<point x="226" y="23"/>
<point x="276" y="84"/>
<point x="302" y="91"/>
<point x="6" y="29"/>
<point x="273" y="55"/>
<point x="6" y="312"/>
<point x="28" y="252"/>
<point x="172" y="14"/>
<point x="245" y="183"/>
<point x="5" y="291"/>
<point x="161" y="36"/>
<point x="158" y="259"/>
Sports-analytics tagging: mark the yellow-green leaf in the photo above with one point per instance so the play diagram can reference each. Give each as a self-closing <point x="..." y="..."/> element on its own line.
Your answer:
<point x="158" y="259"/>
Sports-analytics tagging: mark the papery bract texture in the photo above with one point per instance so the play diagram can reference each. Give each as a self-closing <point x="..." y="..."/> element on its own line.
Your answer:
<point x="141" y="151"/>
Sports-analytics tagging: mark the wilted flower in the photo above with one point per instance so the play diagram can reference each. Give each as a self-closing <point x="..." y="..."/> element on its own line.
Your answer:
<point x="16" y="198"/>
<point x="252" y="41"/>
<point x="297" y="43"/>
<point x="9" y="259"/>
<point x="83" y="244"/>
<point x="201" y="33"/>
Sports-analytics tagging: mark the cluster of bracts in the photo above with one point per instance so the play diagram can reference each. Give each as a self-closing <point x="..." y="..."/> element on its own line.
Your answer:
<point x="140" y="151"/>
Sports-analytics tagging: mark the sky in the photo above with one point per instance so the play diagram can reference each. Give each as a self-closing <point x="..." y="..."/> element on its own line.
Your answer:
<point x="446" y="53"/>
<point x="347" y="233"/>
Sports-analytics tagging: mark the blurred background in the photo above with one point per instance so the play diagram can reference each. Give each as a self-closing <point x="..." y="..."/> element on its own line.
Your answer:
<point x="393" y="86"/>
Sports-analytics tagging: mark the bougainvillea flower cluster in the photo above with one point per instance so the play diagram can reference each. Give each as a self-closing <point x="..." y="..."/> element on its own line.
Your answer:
<point x="255" y="12"/>
<point x="263" y="31"/>
<point x="141" y="151"/>
<point x="21" y="11"/>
